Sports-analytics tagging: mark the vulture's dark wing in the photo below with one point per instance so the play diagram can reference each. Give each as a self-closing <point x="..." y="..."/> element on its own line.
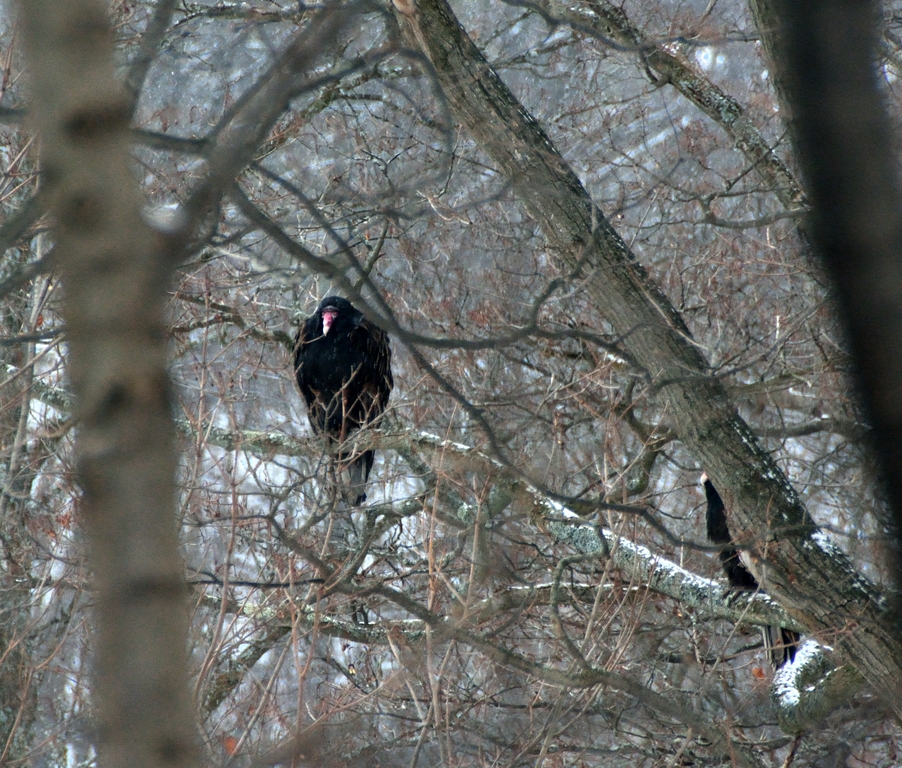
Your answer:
<point x="376" y="381"/>
<point x="718" y="533"/>
<point x="308" y="331"/>
<point x="781" y="643"/>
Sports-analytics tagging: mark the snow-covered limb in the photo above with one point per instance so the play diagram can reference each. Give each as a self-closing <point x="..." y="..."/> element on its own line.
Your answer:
<point x="810" y="687"/>
<point x="58" y="398"/>
<point x="641" y="566"/>
<point x="268" y="443"/>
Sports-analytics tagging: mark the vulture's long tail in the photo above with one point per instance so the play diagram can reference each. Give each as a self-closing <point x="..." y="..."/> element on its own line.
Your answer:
<point x="359" y="472"/>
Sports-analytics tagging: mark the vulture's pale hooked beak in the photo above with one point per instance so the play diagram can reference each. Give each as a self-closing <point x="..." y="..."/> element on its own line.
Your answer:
<point x="329" y="316"/>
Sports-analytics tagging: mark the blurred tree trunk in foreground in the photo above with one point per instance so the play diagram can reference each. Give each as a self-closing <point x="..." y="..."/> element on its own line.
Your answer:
<point x="115" y="275"/>
<point x="826" y="56"/>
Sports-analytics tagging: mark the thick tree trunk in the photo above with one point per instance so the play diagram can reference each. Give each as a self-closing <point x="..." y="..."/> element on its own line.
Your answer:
<point x="798" y="567"/>
<point x="115" y="278"/>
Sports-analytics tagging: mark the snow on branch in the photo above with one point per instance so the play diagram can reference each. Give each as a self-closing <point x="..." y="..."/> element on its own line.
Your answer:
<point x="810" y="687"/>
<point x="638" y="563"/>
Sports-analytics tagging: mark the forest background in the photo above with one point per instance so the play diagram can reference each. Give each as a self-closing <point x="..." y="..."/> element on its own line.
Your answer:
<point x="584" y="228"/>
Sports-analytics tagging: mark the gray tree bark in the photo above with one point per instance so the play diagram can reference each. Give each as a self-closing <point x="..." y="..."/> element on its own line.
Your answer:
<point x="115" y="275"/>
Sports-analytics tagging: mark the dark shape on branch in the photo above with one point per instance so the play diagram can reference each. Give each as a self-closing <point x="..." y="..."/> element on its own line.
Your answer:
<point x="740" y="577"/>
<point x="342" y="363"/>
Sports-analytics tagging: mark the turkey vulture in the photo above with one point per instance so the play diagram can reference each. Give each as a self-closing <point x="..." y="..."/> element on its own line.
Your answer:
<point x="342" y="363"/>
<point x="740" y="577"/>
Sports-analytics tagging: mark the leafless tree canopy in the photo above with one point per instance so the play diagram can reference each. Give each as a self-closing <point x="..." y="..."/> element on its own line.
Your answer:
<point x="583" y="228"/>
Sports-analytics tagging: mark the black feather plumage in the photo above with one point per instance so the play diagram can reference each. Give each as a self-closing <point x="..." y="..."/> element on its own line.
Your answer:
<point x="737" y="574"/>
<point x="343" y="369"/>
<point x="740" y="577"/>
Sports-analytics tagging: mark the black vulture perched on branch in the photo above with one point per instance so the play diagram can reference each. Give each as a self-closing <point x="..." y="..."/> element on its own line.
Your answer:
<point x="740" y="577"/>
<point x="342" y="363"/>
